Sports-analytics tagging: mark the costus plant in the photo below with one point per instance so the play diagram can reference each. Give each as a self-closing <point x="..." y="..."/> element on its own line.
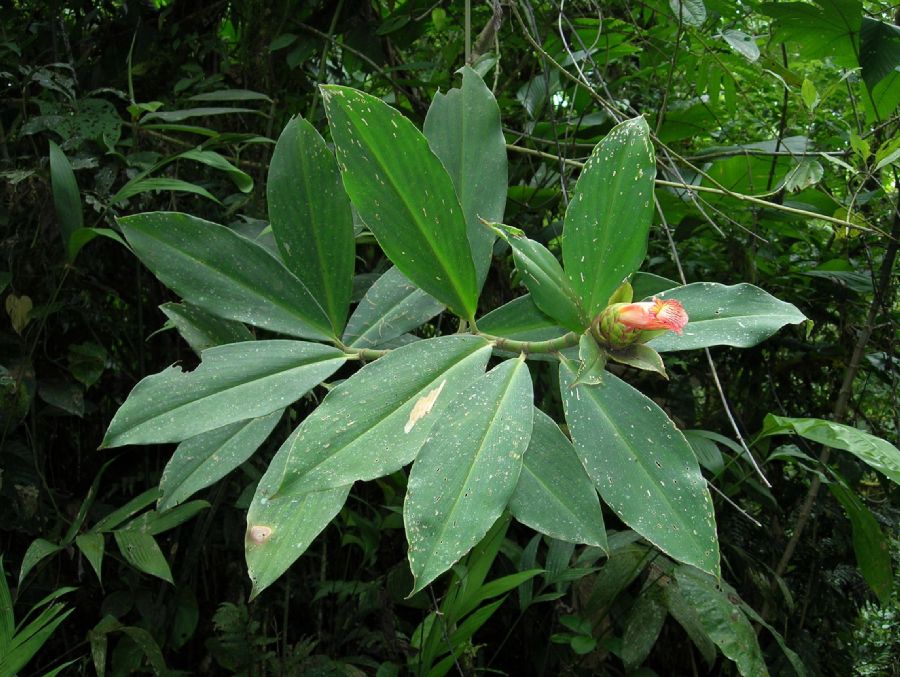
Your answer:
<point x="458" y="409"/>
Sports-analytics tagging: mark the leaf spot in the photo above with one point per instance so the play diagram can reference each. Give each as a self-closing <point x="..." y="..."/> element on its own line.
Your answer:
<point x="423" y="406"/>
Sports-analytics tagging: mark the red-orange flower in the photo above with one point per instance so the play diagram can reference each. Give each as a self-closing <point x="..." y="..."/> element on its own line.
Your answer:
<point x="622" y="324"/>
<point x="655" y="314"/>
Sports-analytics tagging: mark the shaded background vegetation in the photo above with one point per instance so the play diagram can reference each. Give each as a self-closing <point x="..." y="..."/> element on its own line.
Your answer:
<point x="124" y="88"/>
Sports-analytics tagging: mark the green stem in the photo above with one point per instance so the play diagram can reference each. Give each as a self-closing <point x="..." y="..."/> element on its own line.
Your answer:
<point x="549" y="346"/>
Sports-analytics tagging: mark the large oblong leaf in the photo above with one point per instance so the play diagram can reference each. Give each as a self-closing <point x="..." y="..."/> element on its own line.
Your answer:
<point x="280" y="528"/>
<point x="225" y="274"/>
<point x="404" y="195"/>
<point x="608" y="219"/>
<point x="233" y="382"/>
<point x="376" y="421"/>
<point x="310" y="217"/>
<point x="642" y="466"/>
<point x="391" y="307"/>
<point x="467" y="469"/>
<point x="739" y="315"/>
<point x="463" y="129"/>
<point x="205" y="459"/>
<point x="554" y="495"/>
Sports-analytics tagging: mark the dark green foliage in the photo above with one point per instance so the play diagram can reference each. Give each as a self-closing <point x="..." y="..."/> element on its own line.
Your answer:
<point x="736" y="99"/>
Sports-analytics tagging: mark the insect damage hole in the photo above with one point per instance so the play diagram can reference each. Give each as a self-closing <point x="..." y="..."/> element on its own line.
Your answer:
<point x="423" y="407"/>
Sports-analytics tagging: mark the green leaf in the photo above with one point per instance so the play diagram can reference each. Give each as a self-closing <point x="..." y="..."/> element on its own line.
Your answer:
<point x="874" y="451"/>
<point x="520" y="319"/>
<point x="805" y="174"/>
<point x="463" y="129"/>
<point x="80" y="237"/>
<point x="554" y="495"/>
<point x="212" y="159"/>
<point x="691" y="12"/>
<point x="723" y="620"/>
<point x="740" y="315"/>
<point x="202" y="330"/>
<point x="742" y="43"/>
<point x="154" y="522"/>
<point x="232" y="94"/>
<point x="187" y="113"/>
<point x="376" y="421"/>
<point x="809" y="94"/>
<point x="39" y="549"/>
<point x="203" y="460"/>
<point x="879" y="53"/>
<point x="92" y="545"/>
<point x="873" y="555"/>
<point x="639" y="356"/>
<point x="404" y="195"/>
<point x="467" y="469"/>
<point x="828" y="28"/>
<point x="233" y="383"/>
<point x="391" y="307"/>
<point x="134" y="506"/>
<point x="66" y="199"/>
<point x="310" y="216"/>
<point x="142" y="552"/>
<point x="608" y="219"/>
<point x="281" y="528"/>
<point x="140" y="185"/>
<point x="225" y="274"/>
<point x="592" y="362"/>
<point x="645" y="621"/>
<point x="643" y="467"/>
<point x="705" y="449"/>
<point x="545" y="279"/>
<point x="689" y="619"/>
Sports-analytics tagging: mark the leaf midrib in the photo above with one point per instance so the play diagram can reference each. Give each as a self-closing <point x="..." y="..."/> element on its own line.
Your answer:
<point x="641" y="463"/>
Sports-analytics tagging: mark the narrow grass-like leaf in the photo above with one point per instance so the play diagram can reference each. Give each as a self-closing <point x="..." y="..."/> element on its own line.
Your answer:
<point x="740" y="315"/>
<point x="643" y="467"/>
<point x="225" y="274"/>
<point x="404" y="195"/>
<point x="376" y="421"/>
<point x="391" y="307"/>
<point x="467" y="469"/>
<point x="608" y="219"/>
<point x="554" y="495"/>
<point x="310" y="217"/>
<point x="233" y="383"/>
<point x="463" y="129"/>
<point x="140" y="185"/>
<point x="203" y="460"/>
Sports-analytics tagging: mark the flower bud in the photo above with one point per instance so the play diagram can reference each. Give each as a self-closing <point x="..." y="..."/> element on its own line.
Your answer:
<point x="622" y="324"/>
